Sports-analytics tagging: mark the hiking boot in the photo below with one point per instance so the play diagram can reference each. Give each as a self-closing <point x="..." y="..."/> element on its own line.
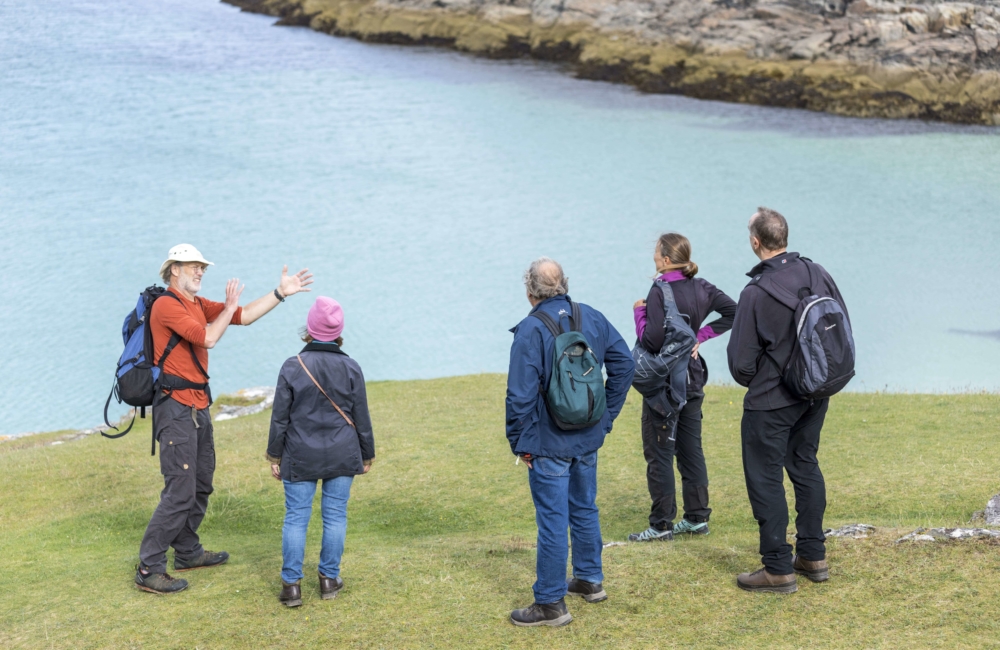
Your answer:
<point x="685" y="527"/>
<point x="206" y="559"/>
<point x="592" y="592"/>
<point x="329" y="587"/>
<point x="291" y="594"/>
<point x="761" y="580"/>
<point x="554" y="614"/>
<point x="816" y="571"/>
<point x="159" y="583"/>
<point x="652" y="535"/>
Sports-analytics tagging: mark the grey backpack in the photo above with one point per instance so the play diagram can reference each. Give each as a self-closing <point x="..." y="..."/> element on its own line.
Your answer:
<point x="822" y="360"/>
<point x="666" y="368"/>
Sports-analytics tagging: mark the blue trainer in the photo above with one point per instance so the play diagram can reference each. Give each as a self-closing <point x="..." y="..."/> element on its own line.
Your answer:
<point x="688" y="527"/>
<point x="651" y="535"/>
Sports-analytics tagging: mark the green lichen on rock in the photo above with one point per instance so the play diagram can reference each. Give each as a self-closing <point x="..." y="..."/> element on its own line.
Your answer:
<point x="866" y="58"/>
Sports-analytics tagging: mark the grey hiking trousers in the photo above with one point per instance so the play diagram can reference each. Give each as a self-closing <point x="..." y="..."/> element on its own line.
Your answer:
<point x="187" y="462"/>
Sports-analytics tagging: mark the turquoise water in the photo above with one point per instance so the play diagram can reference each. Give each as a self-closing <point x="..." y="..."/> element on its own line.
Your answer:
<point x="417" y="184"/>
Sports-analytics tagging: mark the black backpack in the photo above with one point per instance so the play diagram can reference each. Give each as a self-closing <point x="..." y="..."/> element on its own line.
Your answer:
<point x="822" y="359"/>
<point x="138" y="377"/>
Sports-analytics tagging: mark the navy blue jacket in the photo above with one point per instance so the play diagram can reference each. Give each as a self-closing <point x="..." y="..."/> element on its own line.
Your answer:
<point x="529" y="428"/>
<point x="307" y="433"/>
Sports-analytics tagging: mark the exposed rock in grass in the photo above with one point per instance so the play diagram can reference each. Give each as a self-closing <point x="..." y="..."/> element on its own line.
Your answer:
<point x="854" y="531"/>
<point x="230" y="411"/>
<point x="945" y="534"/>
<point x="867" y="58"/>
<point x="992" y="512"/>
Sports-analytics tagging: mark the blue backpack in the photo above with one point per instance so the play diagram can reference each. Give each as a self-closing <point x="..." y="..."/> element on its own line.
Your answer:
<point x="575" y="394"/>
<point x="137" y="377"/>
<point x="822" y="359"/>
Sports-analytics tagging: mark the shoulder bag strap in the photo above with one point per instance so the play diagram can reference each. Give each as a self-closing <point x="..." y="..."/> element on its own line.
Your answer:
<point x="668" y="299"/>
<point x="342" y="414"/>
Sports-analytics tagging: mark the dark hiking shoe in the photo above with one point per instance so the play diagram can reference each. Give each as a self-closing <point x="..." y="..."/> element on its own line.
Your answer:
<point x="329" y="587"/>
<point x="761" y="580"/>
<point x="592" y="592"/>
<point x="291" y="595"/>
<point x="816" y="571"/>
<point x="685" y="527"/>
<point x="652" y="535"/>
<point x="207" y="559"/>
<point x="553" y="614"/>
<point x="159" y="583"/>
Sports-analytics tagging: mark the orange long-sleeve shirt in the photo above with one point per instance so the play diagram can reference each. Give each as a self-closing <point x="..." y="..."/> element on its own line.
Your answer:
<point x="188" y="319"/>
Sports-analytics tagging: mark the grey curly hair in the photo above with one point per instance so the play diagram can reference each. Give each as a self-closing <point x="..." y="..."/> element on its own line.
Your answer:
<point x="545" y="279"/>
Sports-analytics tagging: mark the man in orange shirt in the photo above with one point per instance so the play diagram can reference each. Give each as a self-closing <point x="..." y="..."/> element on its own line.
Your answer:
<point x="184" y="327"/>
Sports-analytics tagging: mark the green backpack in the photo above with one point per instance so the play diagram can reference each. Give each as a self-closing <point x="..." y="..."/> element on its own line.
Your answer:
<point x="575" y="394"/>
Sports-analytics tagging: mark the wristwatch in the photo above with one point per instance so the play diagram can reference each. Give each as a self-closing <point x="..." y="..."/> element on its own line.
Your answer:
<point x="280" y="297"/>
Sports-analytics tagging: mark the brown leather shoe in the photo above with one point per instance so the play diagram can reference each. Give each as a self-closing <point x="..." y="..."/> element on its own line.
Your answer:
<point x="816" y="571"/>
<point x="329" y="587"/>
<point x="291" y="595"/>
<point x="761" y="580"/>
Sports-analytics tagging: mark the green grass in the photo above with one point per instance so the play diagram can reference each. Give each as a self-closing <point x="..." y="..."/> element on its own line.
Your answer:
<point x="441" y="534"/>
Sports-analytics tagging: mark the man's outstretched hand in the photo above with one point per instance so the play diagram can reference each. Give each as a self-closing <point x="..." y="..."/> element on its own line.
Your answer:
<point x="292" y="284"/>
<point x="233" y="293"/>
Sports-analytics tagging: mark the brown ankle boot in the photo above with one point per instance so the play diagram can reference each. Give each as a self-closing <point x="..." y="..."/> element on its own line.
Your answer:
<point x="291" y="595"/>
<point x="816" y="571"/>
<point x="761" y="580"/>
<point x="329" y="587"/>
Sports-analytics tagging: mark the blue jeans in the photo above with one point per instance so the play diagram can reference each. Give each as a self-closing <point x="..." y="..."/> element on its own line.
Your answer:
<point x="298" y="508"/>
<point x="564" y="491"/>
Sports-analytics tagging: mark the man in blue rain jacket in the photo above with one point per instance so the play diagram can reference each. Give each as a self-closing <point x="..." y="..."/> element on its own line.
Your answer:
<point x="562" y="465"/>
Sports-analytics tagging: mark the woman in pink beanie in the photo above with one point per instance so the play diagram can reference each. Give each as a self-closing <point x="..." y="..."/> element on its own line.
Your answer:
<point x="320" y="429"/>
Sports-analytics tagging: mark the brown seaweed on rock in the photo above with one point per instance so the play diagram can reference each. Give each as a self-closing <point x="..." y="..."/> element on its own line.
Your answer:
<point x="866" y="58"/>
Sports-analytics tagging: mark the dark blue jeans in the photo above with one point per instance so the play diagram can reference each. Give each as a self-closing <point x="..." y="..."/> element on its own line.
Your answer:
<point x="564" y="491"/>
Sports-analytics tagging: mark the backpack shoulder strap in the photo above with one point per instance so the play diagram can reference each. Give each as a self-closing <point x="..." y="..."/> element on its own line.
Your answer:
<point x="175" y="338"/>
<point x="148" y="342"/>
<point x="576" y="319"/>
<point x="668" y="294"/>
<point x="549" y="322"/>
<point x="194" y="357"/>
<point x="814" y="279"/>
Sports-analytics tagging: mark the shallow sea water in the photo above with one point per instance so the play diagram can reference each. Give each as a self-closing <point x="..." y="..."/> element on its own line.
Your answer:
<point x="417" y="184"/>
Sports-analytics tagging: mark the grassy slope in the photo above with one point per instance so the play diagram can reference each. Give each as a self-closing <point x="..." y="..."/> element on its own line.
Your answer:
<point x="439" y="546"/>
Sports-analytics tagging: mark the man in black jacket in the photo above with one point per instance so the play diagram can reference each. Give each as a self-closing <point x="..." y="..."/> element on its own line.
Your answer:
<point x="778" y="430"/>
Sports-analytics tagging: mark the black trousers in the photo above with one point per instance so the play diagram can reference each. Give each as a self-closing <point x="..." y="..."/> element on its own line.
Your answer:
<point x="187" y="462"/>
<point x="786" y="438"/>
<point x="661" y="441"/>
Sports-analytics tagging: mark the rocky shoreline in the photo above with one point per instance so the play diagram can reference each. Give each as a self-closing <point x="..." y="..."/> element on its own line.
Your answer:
<point x="866" y="58"/>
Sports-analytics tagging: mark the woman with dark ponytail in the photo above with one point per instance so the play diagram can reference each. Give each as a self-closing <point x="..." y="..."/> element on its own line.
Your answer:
<point x="696" y="299"/>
